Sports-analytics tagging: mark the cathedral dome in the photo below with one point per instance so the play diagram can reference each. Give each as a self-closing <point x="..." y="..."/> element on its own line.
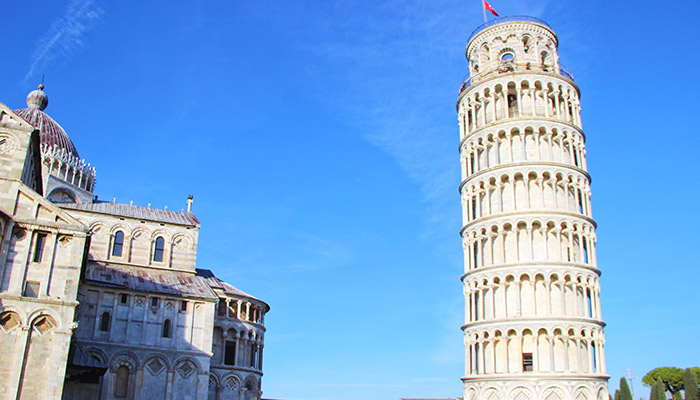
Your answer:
<point x="51" y="133"/>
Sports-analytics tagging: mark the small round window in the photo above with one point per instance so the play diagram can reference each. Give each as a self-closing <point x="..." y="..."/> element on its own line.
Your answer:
<point x="507" y="57"/>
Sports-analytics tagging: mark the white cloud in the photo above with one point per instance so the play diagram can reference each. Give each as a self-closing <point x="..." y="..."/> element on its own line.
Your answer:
<point x="65" y="35"/>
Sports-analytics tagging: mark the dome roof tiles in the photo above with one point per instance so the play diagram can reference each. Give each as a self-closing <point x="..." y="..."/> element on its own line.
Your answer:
<point x="51" y="133"/>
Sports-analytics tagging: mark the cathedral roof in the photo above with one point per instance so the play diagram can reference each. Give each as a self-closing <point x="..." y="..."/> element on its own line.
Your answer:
<point x="148" y="280"/>
<point x="217" y="283"/>
<point x="131" y="211"/>
<point x="51" y="133"/>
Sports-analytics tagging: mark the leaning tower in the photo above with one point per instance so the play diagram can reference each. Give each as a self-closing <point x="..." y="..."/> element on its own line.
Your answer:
<point x="533" y="327"/>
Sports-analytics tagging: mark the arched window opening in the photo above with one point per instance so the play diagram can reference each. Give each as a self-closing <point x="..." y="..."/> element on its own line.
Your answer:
<point x="159" y="249"/>
<point x="121" y="386"/>
<point x="512" y="105"/>
<point x="473" y="208"/>
<point x="250" y="386"/>
<point x="118" y="244"/>
<point x="580" y="201"/>
<point x="507" y="62"/>
<point x="585" y="252"/>
<point x="576" y="158"/>
<point x="594" y="367"/>
<point x="167" y="332"/>
<point x="545" y="60"/>
<point x="105" y="321"/>
<point x="475" y="249"/>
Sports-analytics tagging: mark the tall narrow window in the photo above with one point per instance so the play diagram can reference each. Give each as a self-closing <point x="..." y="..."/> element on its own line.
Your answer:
<point x="183" y="306"/>
<point x="476" y="357"/>
<point x="118" y="244"/>
<point x="230" y="352"/>
<point x="253" y="354"/>
<point x="124" y="298"/>
<point x="121" y="386"/>
<point x="39" y="246"/>
<point x="154" y="302"/>
<point x="589" y="303"/>
<point x="167" y="332"/>
<point x="580" y="202"/>
<point x="105" y="320"/>
<point x="158" y="249"/>
<point x="527" y="362"/>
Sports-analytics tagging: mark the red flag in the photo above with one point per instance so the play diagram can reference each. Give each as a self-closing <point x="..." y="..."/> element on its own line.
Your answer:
<point x="488" y="7"/>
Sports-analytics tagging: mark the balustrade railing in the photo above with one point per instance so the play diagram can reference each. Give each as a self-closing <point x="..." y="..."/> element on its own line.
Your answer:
<point x="500" y="20"/>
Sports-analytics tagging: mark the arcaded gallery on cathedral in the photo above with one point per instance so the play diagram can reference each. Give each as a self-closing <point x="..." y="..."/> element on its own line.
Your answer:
<point x="101" y="300"/>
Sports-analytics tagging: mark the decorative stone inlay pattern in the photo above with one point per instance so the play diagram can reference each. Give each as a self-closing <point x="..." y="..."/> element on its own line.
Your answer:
<point x="155" y="366"/>
<point x="186" y="369"/>
<point x="7" y="144"/>
<point x="44" y="324"/>
<point x="231" y="383"/>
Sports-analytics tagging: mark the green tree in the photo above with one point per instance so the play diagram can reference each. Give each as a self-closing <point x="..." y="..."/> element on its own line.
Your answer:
<point x="671" y="377"/>
<point x="690" y="384"/>
<point x="625" y="393"/>
<point x="617" y="395"/>
<point x="658" y="391"/>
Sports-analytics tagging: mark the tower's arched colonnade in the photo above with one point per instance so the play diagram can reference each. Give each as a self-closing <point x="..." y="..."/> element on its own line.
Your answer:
<point x="533" y="326"/>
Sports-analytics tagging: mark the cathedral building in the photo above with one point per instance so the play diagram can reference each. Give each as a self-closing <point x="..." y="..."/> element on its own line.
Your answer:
<point x="102" y="300"/>
<point x="533" y="327"/>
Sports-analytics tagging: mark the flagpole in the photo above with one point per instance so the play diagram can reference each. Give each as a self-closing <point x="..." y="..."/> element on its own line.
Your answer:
<point x="483" y="8"/>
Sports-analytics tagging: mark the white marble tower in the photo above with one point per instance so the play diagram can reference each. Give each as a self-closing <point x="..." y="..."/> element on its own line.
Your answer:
<point x="533" y="327"/>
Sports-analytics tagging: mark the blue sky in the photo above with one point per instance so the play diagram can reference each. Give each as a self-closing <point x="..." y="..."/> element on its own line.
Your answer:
<point x="320" y="142"/>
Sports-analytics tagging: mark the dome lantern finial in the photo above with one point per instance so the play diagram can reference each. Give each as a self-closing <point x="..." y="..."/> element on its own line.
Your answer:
<point x="37" y="99"/>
